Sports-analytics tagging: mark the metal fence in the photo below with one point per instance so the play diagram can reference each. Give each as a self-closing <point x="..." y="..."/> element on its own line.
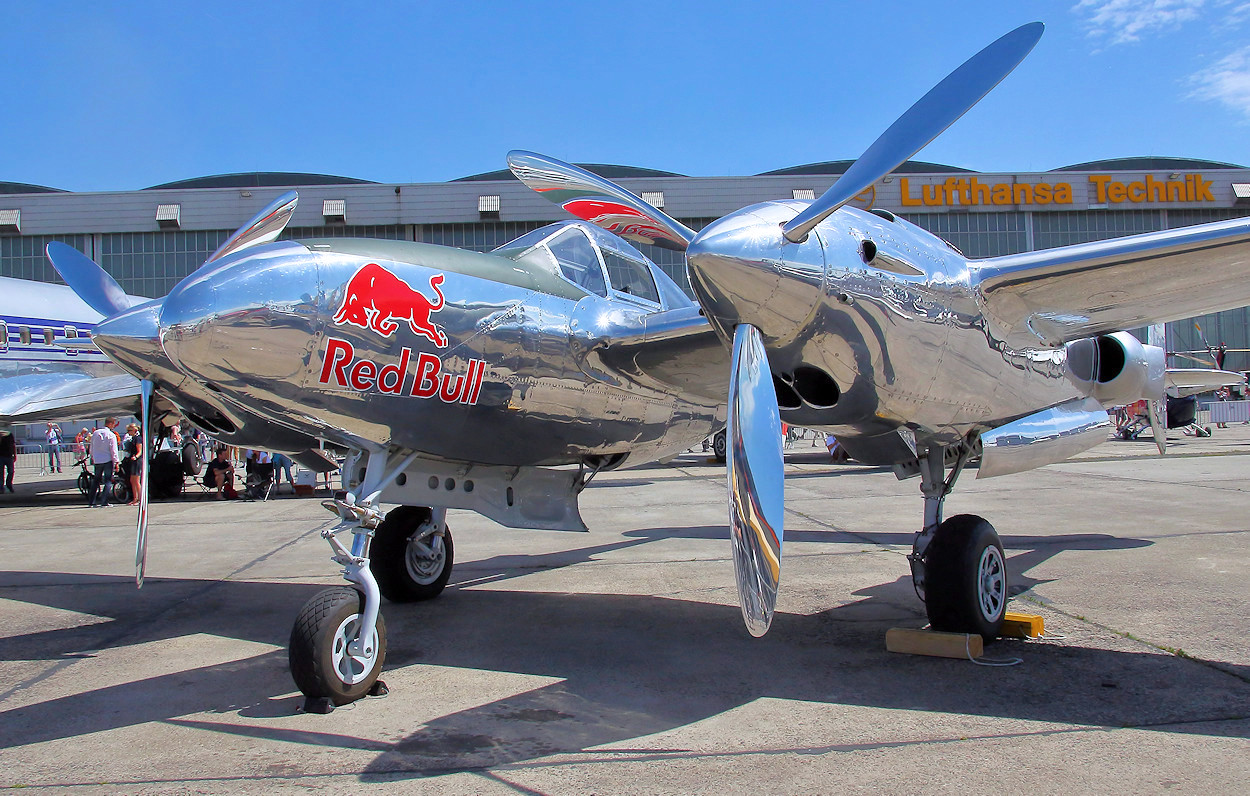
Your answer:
<point x="1230" y="412"/>
<point x="32" y="458"/>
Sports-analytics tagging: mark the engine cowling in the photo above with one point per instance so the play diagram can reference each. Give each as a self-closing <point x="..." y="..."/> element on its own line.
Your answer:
<point x="1117" y="369"/>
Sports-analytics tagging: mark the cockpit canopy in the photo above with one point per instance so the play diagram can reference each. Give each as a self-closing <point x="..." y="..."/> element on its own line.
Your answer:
<point x="596" y="261"/>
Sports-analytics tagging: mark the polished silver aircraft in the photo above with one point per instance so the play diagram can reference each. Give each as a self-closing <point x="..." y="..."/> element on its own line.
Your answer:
<point x="503" y="382"/>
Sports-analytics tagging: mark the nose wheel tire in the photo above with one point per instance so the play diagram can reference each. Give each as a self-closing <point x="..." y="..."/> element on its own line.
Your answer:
<point x="322" y="662"/>
<point x="966" y="578"/>
<point x="409" y="569"/>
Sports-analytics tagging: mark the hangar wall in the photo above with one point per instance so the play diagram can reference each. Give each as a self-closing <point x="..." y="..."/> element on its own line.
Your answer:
<point x="150" y="239"/>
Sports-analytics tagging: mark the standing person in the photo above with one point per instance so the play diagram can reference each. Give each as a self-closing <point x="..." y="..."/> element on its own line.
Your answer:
<point x="8" y="458"/>
<point x="133" y="465"/>
<point x="53" y="436"/>
<point x="105" y="458"/>
<point x="80" y="442"/>
<point x="282" y="464"/>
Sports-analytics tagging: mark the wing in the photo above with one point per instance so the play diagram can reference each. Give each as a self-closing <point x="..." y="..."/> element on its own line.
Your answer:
<point x="40" y="397"/>
<point x="1057" y="295"/>
<point x="1183" y="382"/>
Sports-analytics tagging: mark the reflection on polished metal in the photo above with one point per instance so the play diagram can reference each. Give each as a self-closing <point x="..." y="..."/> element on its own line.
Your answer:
<point x="756" y="481"/>
<point x="922" y="123"/>
<point x="1045" y="437"/>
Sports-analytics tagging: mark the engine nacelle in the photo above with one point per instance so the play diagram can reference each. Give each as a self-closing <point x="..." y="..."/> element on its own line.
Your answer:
<point x="1117" y="369"/>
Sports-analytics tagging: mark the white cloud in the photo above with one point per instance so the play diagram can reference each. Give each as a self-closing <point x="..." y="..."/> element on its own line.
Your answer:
<point x="1227" y="82"/>
<point x="1124" y="21"/>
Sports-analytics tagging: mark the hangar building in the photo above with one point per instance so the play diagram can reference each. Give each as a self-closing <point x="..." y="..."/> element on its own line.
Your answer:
<point x="150" y="239"/>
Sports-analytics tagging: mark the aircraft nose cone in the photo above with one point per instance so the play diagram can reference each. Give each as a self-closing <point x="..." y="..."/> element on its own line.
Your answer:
<point x="743" y="271"/>
<point x="132" y="339"/>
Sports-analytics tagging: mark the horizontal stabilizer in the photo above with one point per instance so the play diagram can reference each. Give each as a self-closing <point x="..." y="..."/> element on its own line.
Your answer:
<point x="601" y="202"/>
<point x="1183" y="382"/>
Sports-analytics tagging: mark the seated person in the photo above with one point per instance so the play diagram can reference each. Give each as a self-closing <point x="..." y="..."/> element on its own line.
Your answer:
<point x="220" y="475"/>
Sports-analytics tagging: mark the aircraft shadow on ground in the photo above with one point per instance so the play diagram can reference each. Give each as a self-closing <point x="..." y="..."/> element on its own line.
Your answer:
<point x="628" y="666"/>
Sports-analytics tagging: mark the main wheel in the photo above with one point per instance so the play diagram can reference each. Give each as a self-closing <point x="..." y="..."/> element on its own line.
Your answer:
<point x="321" y="663"/>
<point x="191" y="464"/>
<point x="408" y="569"/>
<point x="966" y="578"/>
<point x="719" y="446"/>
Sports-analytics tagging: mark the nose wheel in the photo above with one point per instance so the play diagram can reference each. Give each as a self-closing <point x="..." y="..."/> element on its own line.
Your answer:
<point x="326" y="661"/>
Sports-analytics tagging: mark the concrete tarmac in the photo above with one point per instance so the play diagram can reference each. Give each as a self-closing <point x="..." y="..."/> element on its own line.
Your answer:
<point x="616" y="661"/>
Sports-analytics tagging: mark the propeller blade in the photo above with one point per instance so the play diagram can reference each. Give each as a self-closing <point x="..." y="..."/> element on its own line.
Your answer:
<point x="264" y="227"/>
<point x="91" y="282"/>
<point x="599" y="201"/>
<point x="1157" y="410"/>
<point x="141" y="542"/>
<point x="756" y="480"/>
<point x="922" y="122"/>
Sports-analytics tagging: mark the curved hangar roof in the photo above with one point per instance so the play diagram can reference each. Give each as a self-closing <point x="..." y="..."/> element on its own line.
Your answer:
<point x="282" y="179"/>
<point x="260" y="179"/>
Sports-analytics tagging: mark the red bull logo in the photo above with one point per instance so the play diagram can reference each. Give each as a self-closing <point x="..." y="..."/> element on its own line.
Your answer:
<point x="377" y="299"/>
<point x="342" y="368"/>
<point x="618" y="218"/>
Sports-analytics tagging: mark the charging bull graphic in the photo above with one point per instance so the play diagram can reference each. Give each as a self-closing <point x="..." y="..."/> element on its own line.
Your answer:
<point x="375" y="299"/>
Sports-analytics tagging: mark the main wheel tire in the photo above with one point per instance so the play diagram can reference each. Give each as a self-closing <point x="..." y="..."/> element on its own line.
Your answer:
<point x="191" y="464"/>
<point x="966" y="578"/>
<point x="320" y="662"/>
<point x="407" y="570"/>
<point x="719" y="446"/>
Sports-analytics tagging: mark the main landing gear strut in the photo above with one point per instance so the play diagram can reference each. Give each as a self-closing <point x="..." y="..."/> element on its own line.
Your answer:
<point x="957" y="565"/>
<point x="338" y="643"/>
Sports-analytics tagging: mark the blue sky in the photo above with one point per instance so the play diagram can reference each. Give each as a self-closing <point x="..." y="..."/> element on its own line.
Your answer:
<point x="117" y="96"/>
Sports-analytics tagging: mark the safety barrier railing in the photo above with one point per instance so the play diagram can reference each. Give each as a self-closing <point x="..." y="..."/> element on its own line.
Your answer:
<point x="32" y="458"/>
<point x="1230" y="412"/>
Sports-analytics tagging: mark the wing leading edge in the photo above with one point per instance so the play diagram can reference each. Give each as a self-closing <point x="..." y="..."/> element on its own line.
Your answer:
<point x="1054" y="296"/>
